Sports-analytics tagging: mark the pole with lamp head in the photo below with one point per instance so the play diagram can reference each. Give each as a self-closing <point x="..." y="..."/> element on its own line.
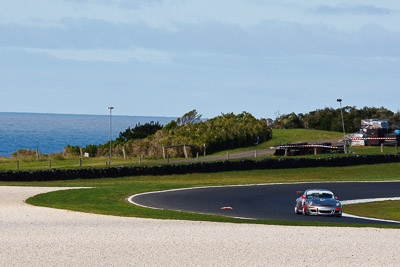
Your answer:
<point x="110" y="108"/>
<point x="344" y="133"/>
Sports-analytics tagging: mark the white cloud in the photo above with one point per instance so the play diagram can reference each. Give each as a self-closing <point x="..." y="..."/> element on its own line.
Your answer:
<point x="356" y="9"/>
<point x="171" y="14"/>
<point x="109" y="55"/>
<point x="98" y="41"/>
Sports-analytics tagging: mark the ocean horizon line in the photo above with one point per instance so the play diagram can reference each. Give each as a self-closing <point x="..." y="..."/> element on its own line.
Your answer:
<point x="83" y="114"/>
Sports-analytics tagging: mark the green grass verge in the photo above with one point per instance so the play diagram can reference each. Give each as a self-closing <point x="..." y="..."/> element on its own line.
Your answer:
<point x="108" y="196"/>
<point x="68" y="163"/>
<point x="388" y="210"/>
<point x="369" y="150"/>
<point x="285" y="136"/>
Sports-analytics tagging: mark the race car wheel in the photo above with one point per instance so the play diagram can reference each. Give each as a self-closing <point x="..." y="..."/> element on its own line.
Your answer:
<point x="304" y="210"/>
<point x="296" y="209"/>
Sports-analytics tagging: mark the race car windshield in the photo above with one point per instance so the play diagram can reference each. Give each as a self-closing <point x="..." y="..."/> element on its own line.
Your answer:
<point x="319" y="195"/>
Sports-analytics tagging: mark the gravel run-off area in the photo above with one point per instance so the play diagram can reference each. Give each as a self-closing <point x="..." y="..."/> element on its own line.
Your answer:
<point x="37" y="236"/>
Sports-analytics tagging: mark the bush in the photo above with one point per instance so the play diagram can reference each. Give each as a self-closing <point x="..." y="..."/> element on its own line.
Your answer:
<point x="57" y="156"/>
<point x="4" y="160"/>
<point x="25" y="155"/>
<point x="71" y="151"/>
<point x="91" y="149"/>
<point x="140" y="131"/>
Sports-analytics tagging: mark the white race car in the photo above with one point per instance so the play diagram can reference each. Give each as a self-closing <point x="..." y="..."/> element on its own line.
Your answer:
<point x="318" y="202"/>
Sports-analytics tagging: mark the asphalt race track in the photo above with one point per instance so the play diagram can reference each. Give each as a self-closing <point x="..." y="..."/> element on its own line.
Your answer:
<point x="274" y="201"/>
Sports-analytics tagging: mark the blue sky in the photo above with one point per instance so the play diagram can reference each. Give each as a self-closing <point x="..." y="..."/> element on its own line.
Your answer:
<point x="164" y="58"/>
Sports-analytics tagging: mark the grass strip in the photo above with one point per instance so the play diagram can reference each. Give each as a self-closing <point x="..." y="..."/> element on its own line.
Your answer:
<point x="387" y="210"/>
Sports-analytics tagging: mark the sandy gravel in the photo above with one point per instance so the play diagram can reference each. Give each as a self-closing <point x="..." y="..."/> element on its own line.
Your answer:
<point x="35" y="236"/>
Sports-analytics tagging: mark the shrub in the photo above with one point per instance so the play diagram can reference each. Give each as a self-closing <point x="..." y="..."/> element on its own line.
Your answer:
<point x="140" y="131"/>
<point x="91" y="149"/>
<point x="57" y="156"/>
<point x="71" y="151"/>
<point x="25" y="155"/>
<point x="4" y="160"/>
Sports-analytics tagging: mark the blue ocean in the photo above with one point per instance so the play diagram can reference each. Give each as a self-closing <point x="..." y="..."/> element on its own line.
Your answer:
<point x="50" y="133"/>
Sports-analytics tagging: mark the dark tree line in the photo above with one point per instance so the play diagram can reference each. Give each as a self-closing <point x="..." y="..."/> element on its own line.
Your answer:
<point x="329" y="119"/>
<point x="139" y="131"/>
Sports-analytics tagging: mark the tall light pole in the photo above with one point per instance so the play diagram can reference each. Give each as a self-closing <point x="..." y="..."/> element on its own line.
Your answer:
<point x="344" y="133"/>
<point x="109" y="159"/>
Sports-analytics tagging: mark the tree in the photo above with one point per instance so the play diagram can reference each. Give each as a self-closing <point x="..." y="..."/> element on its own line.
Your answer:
<point x="140" y="131"/>
<point x="189" y="118"/>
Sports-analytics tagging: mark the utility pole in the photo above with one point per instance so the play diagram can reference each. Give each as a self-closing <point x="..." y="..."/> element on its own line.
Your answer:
<point x="344" y="133"/>
<point x="110" y="108"/>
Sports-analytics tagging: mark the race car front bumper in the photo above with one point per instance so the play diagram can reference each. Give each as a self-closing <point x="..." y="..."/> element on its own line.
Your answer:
<point x="321" y="210"/>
